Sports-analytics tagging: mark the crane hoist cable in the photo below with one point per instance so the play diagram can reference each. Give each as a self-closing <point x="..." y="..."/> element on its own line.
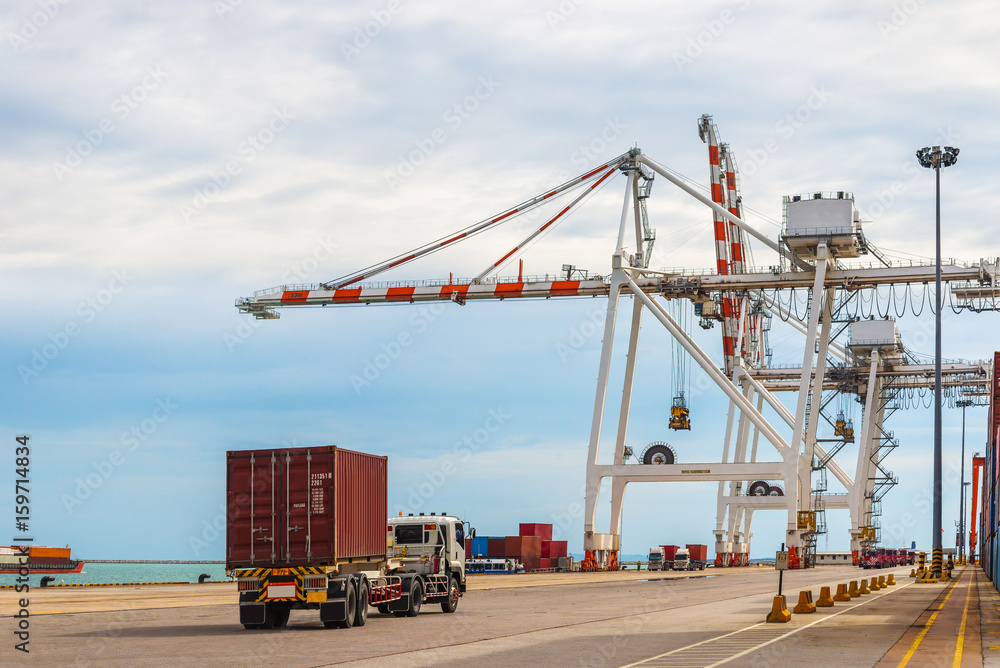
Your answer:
<point x="547" y="226"/>
<point x="680" y="361"/>
<point x="475" y="228"/>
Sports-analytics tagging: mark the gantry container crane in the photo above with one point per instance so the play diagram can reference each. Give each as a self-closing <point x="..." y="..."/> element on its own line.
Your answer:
<point x="738" y="293"/>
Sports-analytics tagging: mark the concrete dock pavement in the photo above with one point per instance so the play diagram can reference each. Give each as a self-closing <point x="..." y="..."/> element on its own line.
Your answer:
<point x="947" y="632"/>
<point x="603" y="620"/>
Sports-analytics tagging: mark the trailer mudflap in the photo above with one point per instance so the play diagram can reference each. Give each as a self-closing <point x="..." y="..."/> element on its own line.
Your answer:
<point x="333" y="611"/>
<point x="252" y="613"/>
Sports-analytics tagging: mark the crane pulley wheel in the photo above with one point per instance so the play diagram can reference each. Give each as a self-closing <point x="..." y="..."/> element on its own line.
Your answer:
<point x="659" y="453"/>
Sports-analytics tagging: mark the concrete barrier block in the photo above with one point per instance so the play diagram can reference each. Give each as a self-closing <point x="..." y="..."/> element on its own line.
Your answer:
<point x="779" y="611"/>
<point x="805" y="604"/>
<point x="891" y="580"/>
<point x="842" y="594"/>
<point x="863" y="589"/>
<point x="854" y="592"/>
<point x="824" y="600"/>
<point x="873" y="584"/>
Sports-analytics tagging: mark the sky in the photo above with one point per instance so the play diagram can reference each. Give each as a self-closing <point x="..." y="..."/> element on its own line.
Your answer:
<point x="159" y="160"/>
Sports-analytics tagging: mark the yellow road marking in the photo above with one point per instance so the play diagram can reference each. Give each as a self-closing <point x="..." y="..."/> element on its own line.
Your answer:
<point x="927" y="627"/>
<point x="957" y="661"/>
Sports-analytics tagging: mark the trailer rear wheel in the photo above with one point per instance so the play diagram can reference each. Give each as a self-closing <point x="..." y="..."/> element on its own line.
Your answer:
<point x="362" y="613"/>
<point x="450" y="603"/>
<point x="416" y="599"/>
<point x="352" y="608"/>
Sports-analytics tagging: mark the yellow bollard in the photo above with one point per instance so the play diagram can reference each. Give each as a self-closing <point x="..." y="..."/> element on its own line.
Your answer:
<point x="779" y="611"/>
<point x="890" y="580"/>
<point x="854" y="592"/>
<point x="824" y="600"/>
<point x="841" y="594"/>
<point x="913" y="573"/>
<point x="873" y="585"/>
<point x="805" y="604"/>
<point x="881" y="582"/>
<point x="863" y="589"/>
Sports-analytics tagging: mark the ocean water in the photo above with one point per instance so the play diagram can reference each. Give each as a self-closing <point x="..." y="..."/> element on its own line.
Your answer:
<point x="97" y="572"/>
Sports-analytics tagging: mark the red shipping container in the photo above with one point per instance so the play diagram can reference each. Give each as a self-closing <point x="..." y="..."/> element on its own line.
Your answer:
<point x="698" y="552"/>
<point x="668" y="552"/>
<point x="547" y="549"/>
<point x="545" y="564"/>
<point x="558" y="549"/>
<point x="531" y="563"/>
<point x="531" y="546"/>
<point x="543" y="531"/>
<point x="337" y="498"/>
<point x="496" y="548"/>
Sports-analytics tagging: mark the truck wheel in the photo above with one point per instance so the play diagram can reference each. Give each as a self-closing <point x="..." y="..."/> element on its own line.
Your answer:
<point x="361" y="616"/>
<point x="450" y="603"/>
<point x="416" y="598"/>
<point x="352" y="608"/>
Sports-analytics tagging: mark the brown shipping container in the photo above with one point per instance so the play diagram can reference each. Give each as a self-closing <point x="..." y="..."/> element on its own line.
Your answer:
<point x="512" y="546"/>
<point x="531" y="563"/>
<point x="497" y="548"/>
<point x="531" y="546"/>
<point x="543" y="531"/>
<point x="669" y="551"/>
<point x="697" y="552"/>
<point x="304" y="506"/>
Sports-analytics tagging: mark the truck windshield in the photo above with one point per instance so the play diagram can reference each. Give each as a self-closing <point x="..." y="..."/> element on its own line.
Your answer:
<point x="409" y="534"/>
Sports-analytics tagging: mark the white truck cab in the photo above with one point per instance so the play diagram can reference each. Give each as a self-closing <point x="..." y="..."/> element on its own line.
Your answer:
<point x="682" y="559"/>
<point x="430" y="545"/>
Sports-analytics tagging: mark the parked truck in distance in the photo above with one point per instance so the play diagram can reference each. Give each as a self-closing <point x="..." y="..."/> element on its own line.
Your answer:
<point x="689" y="558"/>
<point x="306" y="529"/>
<point x="655" y="559"/>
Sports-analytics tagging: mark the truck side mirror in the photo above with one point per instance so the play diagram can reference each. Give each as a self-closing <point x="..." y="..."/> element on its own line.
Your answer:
<point x="472" y="533"/>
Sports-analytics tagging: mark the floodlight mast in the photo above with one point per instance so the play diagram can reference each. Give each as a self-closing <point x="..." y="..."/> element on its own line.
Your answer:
<point x="935" y="158"/>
